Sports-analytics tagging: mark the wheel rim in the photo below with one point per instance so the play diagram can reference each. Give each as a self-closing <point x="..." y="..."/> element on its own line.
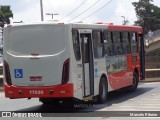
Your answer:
<point x="103" y="92"/>
<point x="134" y="81"/>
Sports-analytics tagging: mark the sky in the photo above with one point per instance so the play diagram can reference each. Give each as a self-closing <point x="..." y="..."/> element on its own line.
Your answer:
<point x="29" y="10"/>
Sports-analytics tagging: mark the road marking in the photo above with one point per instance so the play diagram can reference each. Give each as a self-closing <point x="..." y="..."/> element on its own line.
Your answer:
<point x="153" y="94"/>
<point x="104" y="109"/>
<point x="131" y="99"/>
<point x="151" y="83"/>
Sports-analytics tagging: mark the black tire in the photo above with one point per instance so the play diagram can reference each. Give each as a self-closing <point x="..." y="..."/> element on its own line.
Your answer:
<point x="135" y="82"/>
<point x="103" y="89"/>
<point x="49" y="101"/>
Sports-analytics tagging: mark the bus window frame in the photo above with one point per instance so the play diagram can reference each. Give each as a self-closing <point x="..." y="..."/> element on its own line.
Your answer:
<point x="101" y="40"/>
<point x="129" y="42"/>
<point x="111" y="43"/>
<point x="79" y="45"/>
<point x="115" y="44"/>
<point x="136" y="39"/>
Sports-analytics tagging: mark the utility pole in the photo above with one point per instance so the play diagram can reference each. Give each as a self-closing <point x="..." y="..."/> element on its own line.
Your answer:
<point x="1" y="40"/>
<point x="41" y="6"/>
<point x="124" y="21"/>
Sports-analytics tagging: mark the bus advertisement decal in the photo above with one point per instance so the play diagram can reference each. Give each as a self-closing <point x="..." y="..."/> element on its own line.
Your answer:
<point x="116" y="64"/>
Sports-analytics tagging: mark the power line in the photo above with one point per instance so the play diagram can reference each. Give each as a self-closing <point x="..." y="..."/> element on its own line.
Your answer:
<point x="84" y="11"/>
<point x="74" y="10"/>
<point x="97" y="10"/>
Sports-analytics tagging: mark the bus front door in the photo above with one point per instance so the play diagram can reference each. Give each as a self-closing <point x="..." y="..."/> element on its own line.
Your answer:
<point x="87" y="64"/>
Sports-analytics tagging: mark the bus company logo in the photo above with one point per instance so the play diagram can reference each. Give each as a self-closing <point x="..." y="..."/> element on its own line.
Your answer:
<point x="17" y="114"/>
<point x="6" y="114"/>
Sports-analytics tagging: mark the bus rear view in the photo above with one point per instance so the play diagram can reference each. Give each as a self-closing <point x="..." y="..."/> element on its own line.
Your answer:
<point x="36" y="61"/>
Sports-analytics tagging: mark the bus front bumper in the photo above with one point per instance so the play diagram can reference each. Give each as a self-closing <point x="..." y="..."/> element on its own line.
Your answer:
<point x="58" y="91"/>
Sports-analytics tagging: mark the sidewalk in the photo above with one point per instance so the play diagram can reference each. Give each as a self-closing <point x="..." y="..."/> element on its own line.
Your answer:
<point x="156" y="79"/>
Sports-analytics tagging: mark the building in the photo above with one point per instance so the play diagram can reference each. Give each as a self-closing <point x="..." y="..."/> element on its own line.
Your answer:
<point x="1" y="41"/>
<point x="152" y="54"/>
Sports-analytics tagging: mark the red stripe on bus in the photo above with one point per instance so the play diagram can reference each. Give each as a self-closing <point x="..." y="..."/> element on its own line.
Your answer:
<point x="62" y="91"/>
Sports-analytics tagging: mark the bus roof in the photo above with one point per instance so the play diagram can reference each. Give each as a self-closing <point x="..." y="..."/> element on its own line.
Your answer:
<point x="123" y="27"/>
<point x="85" y="25"/>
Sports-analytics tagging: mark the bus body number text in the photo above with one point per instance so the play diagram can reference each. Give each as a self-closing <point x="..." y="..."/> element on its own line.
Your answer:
<point x="36" y="92"/>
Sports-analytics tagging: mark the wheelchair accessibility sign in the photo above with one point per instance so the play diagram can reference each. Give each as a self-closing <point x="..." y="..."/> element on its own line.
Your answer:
<point x="18" y="73"/>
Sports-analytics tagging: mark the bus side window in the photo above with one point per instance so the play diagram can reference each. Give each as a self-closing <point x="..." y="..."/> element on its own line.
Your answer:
<point x="117" y="43"/>
<point x="76" y="45"/>
<point x="97" y="44"/>
<point x="134" y="42"/>
<point x="126" y="43"/>
<point x="108" y="44"/>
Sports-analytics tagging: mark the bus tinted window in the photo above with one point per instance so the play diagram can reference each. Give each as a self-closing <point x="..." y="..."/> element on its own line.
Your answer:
<point x="84" y="40"/>
<point x="126" y="43"/>
<point x="117" y="43"/>
<point x="134" y="43"/>
<point x="76" y="45"/>
<point x="97" y="44"/>
<point x="108" y="44"/>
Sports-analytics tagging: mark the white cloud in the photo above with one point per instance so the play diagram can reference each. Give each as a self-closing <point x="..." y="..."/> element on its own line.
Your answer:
<point x="29" y="10"/>
<point x="126" y="9"/>
<point x="30" y="14"/>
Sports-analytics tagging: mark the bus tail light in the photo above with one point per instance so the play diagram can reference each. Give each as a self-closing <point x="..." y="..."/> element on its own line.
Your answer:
<point x="65" y="72"/>
<point x="7" y="73"/>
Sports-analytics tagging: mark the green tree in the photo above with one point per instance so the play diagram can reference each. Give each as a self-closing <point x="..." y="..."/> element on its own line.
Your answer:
<point x="148" y="15"/>
<point x="5" y="14"/>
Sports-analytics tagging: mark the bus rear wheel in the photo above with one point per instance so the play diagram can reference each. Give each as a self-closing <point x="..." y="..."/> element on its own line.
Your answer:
<point x="103" y="89"/>
<point x="49" y="101"/>
<point x="135" y="81"/>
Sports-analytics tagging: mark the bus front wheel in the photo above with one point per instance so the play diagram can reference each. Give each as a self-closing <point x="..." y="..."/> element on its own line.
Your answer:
<point x="103" y="89"/>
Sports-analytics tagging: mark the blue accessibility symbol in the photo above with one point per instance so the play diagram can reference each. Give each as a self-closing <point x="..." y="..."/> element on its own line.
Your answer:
<point x="18" y="73"/>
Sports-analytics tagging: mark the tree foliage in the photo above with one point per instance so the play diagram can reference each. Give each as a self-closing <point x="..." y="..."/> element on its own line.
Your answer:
<point x="5" y="14"/>
<point x="148" y="15"/>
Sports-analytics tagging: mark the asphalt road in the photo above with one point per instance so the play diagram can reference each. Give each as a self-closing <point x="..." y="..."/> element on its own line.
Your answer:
<point x="145" y="98"/>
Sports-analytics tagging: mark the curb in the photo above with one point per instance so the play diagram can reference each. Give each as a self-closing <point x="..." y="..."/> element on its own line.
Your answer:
<point x="1" y="80"/>
<point x="154" y="79"/>
<point x="1" y="83"/>
<point x="147" y="81"/>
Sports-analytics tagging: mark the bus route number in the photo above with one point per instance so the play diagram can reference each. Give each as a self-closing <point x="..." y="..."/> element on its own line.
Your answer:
<point x="36" y="92"/>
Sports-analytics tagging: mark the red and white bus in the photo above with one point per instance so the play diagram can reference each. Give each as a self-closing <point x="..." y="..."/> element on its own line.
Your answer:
<point x="58" y="61"/>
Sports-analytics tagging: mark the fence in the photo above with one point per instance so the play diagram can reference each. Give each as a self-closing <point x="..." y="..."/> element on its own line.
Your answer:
<point x="152" y="65"/>
<point x="152" y="62"/>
